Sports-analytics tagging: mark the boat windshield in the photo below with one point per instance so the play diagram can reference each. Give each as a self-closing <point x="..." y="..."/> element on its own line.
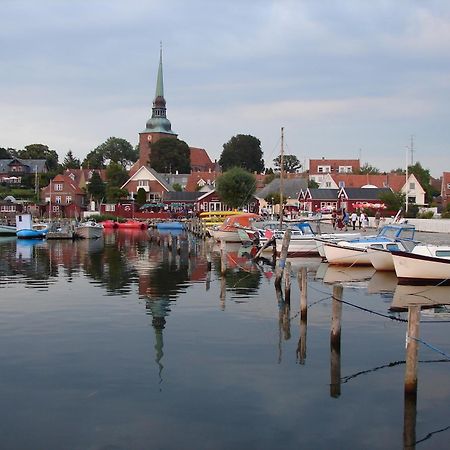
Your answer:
<point x="397" y="233"/>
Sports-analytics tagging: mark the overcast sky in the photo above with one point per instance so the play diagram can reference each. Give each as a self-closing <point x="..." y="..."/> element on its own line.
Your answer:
<point x="346" y="79"/>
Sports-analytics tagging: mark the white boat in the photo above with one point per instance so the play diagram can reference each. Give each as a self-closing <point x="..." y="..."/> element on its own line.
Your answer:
<point x="228" y="231"/>
<point x="89" y="230"/>
<point x="354" y="252"/>
<point x="423" y="263"/>
<point x="26" y="229"/>
<point x="7" y="230"/>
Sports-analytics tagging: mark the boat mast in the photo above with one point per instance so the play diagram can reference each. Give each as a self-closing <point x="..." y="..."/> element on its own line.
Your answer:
<point x="281" y="176"/>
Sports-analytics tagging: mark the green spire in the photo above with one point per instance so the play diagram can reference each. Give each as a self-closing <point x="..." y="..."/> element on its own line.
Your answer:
<point x="159" y="81"/>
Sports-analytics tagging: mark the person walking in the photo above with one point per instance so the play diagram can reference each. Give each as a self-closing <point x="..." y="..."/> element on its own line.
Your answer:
<point x="345" y="219"/>
<point x="354" y="218"/>
<point x="377" y="219"/>
<point x="334" y="218"/>
<point x="363" y="221"/>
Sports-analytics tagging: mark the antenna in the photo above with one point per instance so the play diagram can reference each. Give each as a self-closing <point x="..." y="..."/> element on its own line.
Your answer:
<point x="412" y="150"/>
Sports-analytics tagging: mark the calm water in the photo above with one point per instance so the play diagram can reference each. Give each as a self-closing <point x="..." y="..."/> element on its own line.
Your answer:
<point x="122" y="344"/>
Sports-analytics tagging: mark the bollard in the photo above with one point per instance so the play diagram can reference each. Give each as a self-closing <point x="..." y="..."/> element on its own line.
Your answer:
<point x="282" y="261"/>
<point x="335" y="341"/>
<point x="412" y="349"/>
<point x="287" y="283"/>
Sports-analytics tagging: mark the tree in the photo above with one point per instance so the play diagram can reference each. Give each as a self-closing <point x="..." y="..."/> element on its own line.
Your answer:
<point x="70" y="162"/>
<point x="170" y="155"/>
<point x="41" y="151"/>
<point x="177" y="187"/>
<point x="236" y="187"/>
<point x="141" y="196"/>
<point x="394" y="201"/>
<point x="290" y="163"/>
<point x="273" y="198"/>
<point x="116" y="175"/>
<point x="4" y="153"/>
<point x="114" y="193"/>
<point x="366" y="168"/>
<point x="242" y="150"/>
<point x="113" y="149"/>
<point x="313" y="184"/>
<point x="96" y="187"/>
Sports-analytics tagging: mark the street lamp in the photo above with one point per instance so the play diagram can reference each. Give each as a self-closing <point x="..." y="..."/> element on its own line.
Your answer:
<point x="271" y="209"/>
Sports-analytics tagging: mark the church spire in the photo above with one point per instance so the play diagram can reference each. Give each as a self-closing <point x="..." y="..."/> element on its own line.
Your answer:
<point x="159" y="123"/>
<point x="159" y="81"/>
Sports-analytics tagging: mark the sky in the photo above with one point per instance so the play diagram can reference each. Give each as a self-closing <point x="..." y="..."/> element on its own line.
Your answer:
<point x="345" y="79"/>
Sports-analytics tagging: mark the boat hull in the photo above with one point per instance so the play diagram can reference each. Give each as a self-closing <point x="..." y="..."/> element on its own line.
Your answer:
<point x="31" y="234"/>
<point x="7" y="230"/>
<point x="89" y="232"/>
<point x="381" y="259"/>
<point x="413" y="268"/>
<point x="346" y="256"/>
<point x="299" y="246"/>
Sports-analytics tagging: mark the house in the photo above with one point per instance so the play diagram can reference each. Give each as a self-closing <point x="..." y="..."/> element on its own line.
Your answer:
<point x="416" y="193"/>
<point x="200" y="161"/>
<point x="314" y="199"/>
<point x="210" y="201"/>
<point x="202" y="181"/>
<point x="319" y="167"/>
<point x="12" y="170"/>
<point x="352" y="199"/>
<point x="148" y="179"/>
<point x="445" y="189"/>
<point x="64" y="197"/>
<point x="8" y="210"/>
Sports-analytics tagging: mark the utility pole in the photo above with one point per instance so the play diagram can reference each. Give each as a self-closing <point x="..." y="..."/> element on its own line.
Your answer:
<point x="412" y="150"/>
<point x="281" y="177"/>
<point x="406" y="184"/>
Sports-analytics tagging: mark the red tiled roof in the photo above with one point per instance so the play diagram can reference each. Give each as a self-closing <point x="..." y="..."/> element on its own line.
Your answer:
<point x="200" y="159"/>
<point x="392" y="180"/>
<point x="60" y="178"/>
<point x="195" y="177"/>
<point x="334" y="163"/>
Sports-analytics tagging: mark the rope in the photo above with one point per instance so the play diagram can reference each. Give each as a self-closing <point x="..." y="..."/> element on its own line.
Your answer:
<point x="431" y="347"/>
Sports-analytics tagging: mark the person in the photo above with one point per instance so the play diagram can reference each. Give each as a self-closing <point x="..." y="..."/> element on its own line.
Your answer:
<point x="333" y="218"/>
<point x="354" y="218"/>
<point x="345" y="218"/>
<point x="363" y="221"/>
<point x="377" y="219"/>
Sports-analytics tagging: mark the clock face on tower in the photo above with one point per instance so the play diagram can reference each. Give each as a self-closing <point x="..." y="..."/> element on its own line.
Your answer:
<point x="149" y="138"/>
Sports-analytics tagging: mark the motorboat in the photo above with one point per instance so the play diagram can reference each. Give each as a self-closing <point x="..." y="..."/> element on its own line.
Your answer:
<point x="27" y="229"/>
<point x="423" y="263"/>
<point x="89" y="229"/>
<point x="380" y="254"/>
<point x="354" y="252"/>
<point x="228" y="231"/>
<point x="7" y="230"/>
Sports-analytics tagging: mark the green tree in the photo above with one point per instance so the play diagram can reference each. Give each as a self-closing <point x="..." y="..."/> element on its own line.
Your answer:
<point x="116" y="174"/>
<point x="273" y="198"/>
<point x="170" y="155"/>
<point x="96" y="187"/>
<point x="242" y="150"/>
<point x="393" y="200"/>
<point x="4" y="153"/>
<point x="177" y="187"/>
<point x="114" y="193"/>
<point x="313" y="184"/>
<point x="290" y="163"/>
<point x="367" y="169"/>
<point x="112" y="150"/>
<point x="70" y="162"/>
<point x="141" y="196"/>
<point x="41" y="151"/>
<point x="236" y="187"/>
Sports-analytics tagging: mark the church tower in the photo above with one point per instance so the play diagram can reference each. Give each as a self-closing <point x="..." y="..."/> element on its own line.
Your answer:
<point x="158" y="126"/>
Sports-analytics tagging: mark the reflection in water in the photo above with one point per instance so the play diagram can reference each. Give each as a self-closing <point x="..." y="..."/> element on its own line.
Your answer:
<point x="426" y="296"/>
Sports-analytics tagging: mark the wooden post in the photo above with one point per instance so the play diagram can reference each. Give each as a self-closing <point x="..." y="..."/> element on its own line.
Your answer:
<point x="335" y="341"/>
<point x="412" y="349"/>
<point x="409" y="420"/>
<point x="287" y="283"/>
<point x="223" y="291"/>
<point x="169" y="241"/>
<point x="282" y="261"/>
<point x="223" y="257"/>
<point x="179" y="245"/>
<point x="301" y="347"/>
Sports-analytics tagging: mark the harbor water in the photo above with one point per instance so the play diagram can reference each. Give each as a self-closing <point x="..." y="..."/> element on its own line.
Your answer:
<point x="124" y="343"/>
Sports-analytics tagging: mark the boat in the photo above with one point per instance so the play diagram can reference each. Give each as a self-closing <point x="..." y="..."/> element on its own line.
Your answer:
<point x="170" y="225"/>
<point x="228" y="231"/>
<point x="354" y="252"/>
<point x="423" y="263"/>
<point x="26" y="229"/>
<point x="89" y="229"/>
<point x="132" y="224"/>
<point x="7" y="230"/>
<point x="211" y="219"/>
<point x="380" y="255"/>
<point x="110" y="224"/>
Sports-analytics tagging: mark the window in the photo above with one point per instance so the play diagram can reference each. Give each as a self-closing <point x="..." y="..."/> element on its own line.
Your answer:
<point x="68" y="199"/>
<point x="142" y="183"/>
<point x="110" y="208"/>
<point x="412" y="186"/>
<point x="328" y="184"/>
<point x="58" y="186"/>
<point x="58" y="199"/>
<point x="448" y="185"/>
<point x="345" y="169"/>
<point x="341" y="184"/>
<point x="55" y="208"/>
<point x="7" y="208"/>
<point x="392" y="247"/>
<point x="324" y="169"/>
<point x="443" y="253"/>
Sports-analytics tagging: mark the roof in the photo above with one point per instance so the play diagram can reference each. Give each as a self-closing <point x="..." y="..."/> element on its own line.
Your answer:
<point x="392" y="180"/>
<point x="181" y="196"/>
<point x="195" y="177"/>
<point x="67" y="181"/>
<point x="34" y="164"/>
<point x="291" y="187"/>
<point x="200" y="158"/>
<point x="154" y="173"/>
<point x="313" y="163"/>
<point x="364" y="193"/>
<point x="323" y="194"/>
<point x="85" y="174"/>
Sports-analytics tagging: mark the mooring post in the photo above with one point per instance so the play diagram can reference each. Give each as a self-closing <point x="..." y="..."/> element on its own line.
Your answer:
<point x="412" y="349"/>
<point x="409" y="420"/>
<point x="287" y="283"/>
<point x="282" y="261"/>
<point x="223" y="257"/>
<point x="169" y="242"/>
<point x="335" y="341"/>
<point x="303" y="282"/>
